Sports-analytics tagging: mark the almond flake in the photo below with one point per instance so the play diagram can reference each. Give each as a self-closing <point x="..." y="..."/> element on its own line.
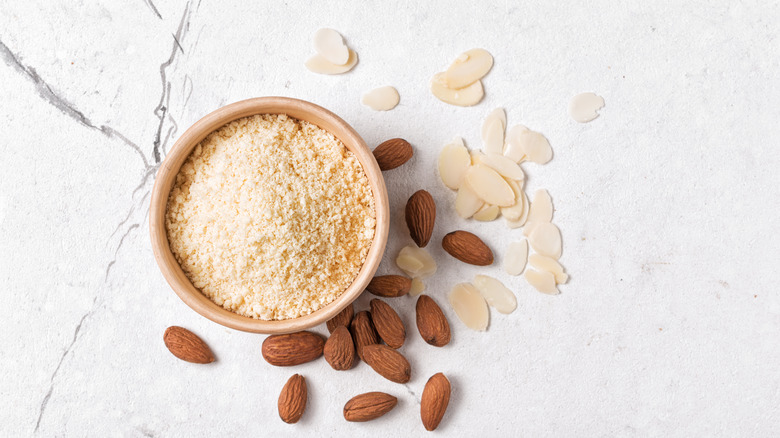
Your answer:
<point x="585" y="107"/>
<point x="469" y="67"/>
<point x="468" y="96"/>
<point x="487" y="213"/>
<point x="476" y="157"/>
<point x="454" y="161"/>
<point x="318" y="64"/>
<point x="515" y="212"/>
<point x="536" y="148"/>
<point x="381" y="99"/>
<point x="545" y="238"/>
<point x="469" y="305"/>
<point x="548" y="264"/>
<point x="541" y="210"/>
<point x="418" y="287"/>
<point x="513" y="147"/>
<point x="505" y="166"/>
<point x="467" y="203"/>
<point x="330" y="45"/>
<point x="493" y="131"/>
<point x="490" y="186"/>
<point x="415" y="262"/>
<point x="496" y="294"/>
<point x="544" y="282"/>
<point x="496" y="114"/>
<point x="516" y="257"/>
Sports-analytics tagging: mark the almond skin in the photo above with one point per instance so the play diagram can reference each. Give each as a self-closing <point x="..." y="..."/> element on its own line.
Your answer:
<point x="420" y="217"/>
<point x="467" y="248"/>
<point x="363" y="332"/>
<point x="292" y="349"/>
<point x="339" y="349"/>
<point x="389" y="286"/>
<point x="368" y="406"/>
<point x="393" y="153"/>
<point x="431" y="322"/>
<point x="435" y="398"/>
<point x="388" y="324"/>
<point x="187" y="346"/>
<point x="389" y="363"/>
<point x="292" y="400"/>
<point x="342" y="318"/>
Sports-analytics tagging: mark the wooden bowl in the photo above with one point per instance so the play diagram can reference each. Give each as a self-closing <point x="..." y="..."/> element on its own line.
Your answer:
<point x="166" y="176"/>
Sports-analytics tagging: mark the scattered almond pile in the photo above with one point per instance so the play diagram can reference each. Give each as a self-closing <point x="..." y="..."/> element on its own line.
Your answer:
<point x="461" y="83"/>
<point x="333" y="56"/>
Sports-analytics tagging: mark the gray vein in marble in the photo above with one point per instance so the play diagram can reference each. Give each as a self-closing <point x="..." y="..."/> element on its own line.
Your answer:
<point x="118" y="247"/>
<point x="412" y="393"/>
<point x="67" y="108"/>
<point x="151" y="6"/>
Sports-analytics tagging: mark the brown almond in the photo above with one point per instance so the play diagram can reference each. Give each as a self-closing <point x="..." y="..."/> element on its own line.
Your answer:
<point x="467" y="248"/>
<point x="387" y="323"/>
<point x="292" y="349"/>
<point x="292" y="400"/>
<point x="390" y="286"/>
<point x="435" y="398"/>
<point x="187" y="346"/>
<point x="339" y="349"/>
<point x="420" y="217"/>
<point x="431" y="322"/>
<point x="389" y="363"/>
<point x="342" y="318"/>
<point x="393" y="153"/>
<point x="368" y="406"/>
<point x="363" y="332"/>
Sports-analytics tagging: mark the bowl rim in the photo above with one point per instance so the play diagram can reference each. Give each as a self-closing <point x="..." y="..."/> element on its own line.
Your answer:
<point x="169" y="168"/>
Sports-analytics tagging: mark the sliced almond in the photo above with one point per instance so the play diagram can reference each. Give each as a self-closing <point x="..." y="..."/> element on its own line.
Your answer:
<point x="496" y="294"/>
<point x="585" y="107"/>
<point x="504" y="166"/>
<point x="529" y="227"/>
<point x="416" y="262"/>
<point x="487" y="213"/>
<point x="330" y="45"/>
<point x="418" y="287"/>
<point x="454" y="161"/>
<point x="318" y="64"/>
<point x="515" y="212"/>
<point x="545" y="238"/>
<point x="512" y="146"/>
<point x="535" y="146"/>
<point x="549" y="264"/>
<point x="541" y="210"/>
<point x="476" y="157"/>
<point x="469" y="67"/>
<point x="496" y="114"/>
<point x="544" y="282"/>
<point x="516" y="257"/>
<point x="490" y="186"/>
<point x="493" y="137"/>
<point x="467" y="203"/>
<point x="381" y="99"/>
<point x="468" y="96"/>
<point x="469" y="305"/>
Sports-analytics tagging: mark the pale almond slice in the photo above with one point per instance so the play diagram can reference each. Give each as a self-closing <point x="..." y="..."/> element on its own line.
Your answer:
<point x="476" y="157"/>
<point x="468" y="96"/>
<point x="529" y="227"/>
<point x="318" y="64"/>
<point x="504" y="166"/>
<point x="487" y="213"/>
<point x="490" y="186"/>
<point x="548" y="264"/>
<point x="409" y="264"/>
<point x="454" y="161"/>
<point x="516" y="257"/>
<point x="513" y="147"/>
<point x="544" y="282"/>
<point x="535" y="146"/>
<point x="496" y="294"/>
<point x="469" y="305"/>
<point x="494" y="141"/>
<point x="381" y="99"/>
<point x="496" y="114"/>
<point x="585" y="107"/>
<point x="415" y="262"/>
<point x="515" y="212"/>
<point x="330" y="44"/>
<point x="469" y="67"/>
<point x="545" y="238"/>
<point x="541" y="209"/>
<point x="418" y="287"/>
<point x="467" y="203"/>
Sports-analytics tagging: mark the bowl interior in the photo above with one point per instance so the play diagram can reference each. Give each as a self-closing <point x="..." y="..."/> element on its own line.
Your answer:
<point x="166" y="176"/>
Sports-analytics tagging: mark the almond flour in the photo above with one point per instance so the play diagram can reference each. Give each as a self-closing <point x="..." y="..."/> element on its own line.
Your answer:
<point x="271" y="217"/>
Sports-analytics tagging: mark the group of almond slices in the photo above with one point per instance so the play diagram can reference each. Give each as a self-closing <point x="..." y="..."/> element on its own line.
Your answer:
<point x="490" y="183"/>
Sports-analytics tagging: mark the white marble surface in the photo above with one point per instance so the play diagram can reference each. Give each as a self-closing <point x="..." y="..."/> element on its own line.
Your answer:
<point x="668" y="204"/>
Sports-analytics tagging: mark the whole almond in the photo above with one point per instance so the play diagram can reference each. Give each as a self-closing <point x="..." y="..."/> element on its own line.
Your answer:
<point x="292" y="349"/>
<point x="389" y="363"/>
<point x="435" y="398"/>
<point x="467" y="248"/>
<point x="387" y="323"/>
<point x="420" y="217"/>
<point x="292" y="400"/>
<point x="368" y="406"/>
<point x="390" y="286"/>
<point x="187" y="346"/>
<point x="431" y="322"/>
<point x="339" y="349"/>
<point x="393" y="153"/>
<point x="342" y="318"/>
<point x="363" y="332"/>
